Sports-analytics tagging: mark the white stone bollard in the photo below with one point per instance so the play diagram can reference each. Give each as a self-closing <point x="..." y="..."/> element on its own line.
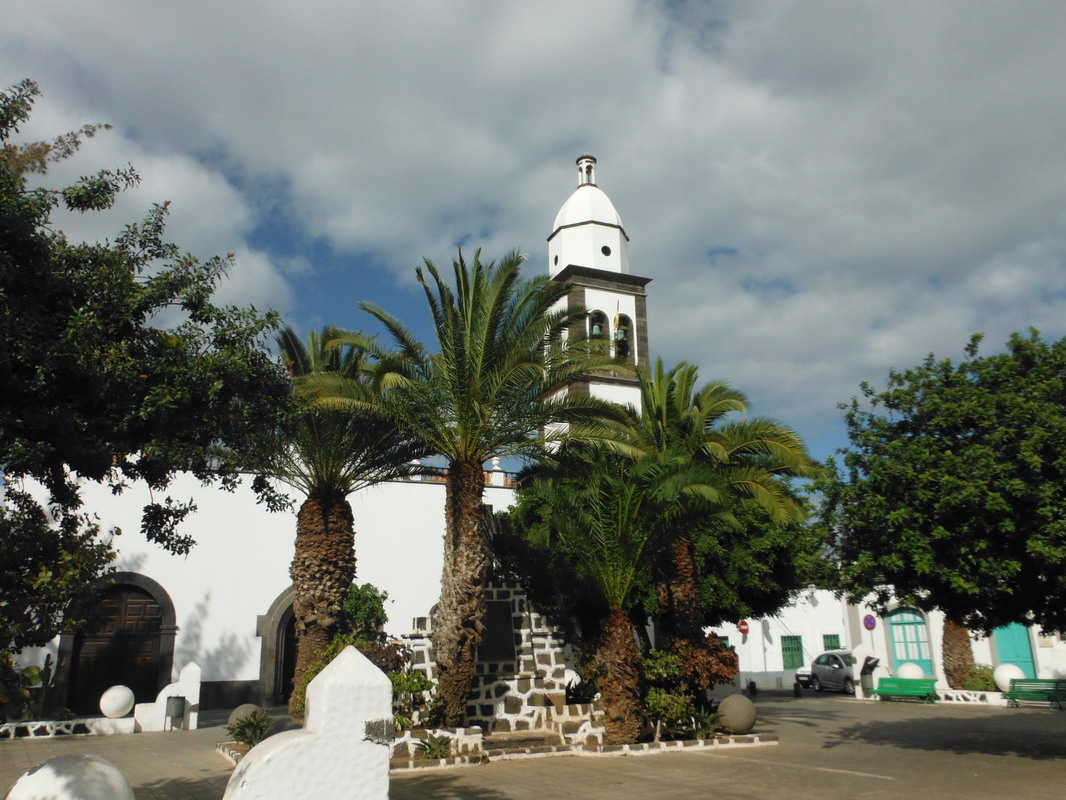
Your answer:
<point x="343" y="750"/>
<point x="1004" y="674"/>
<point x="72" y="778"/>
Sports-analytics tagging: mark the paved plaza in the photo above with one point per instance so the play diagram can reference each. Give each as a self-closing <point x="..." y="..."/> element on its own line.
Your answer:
<point x="830" y="746"/>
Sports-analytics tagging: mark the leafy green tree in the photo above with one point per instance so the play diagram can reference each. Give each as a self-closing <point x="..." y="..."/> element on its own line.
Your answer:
<point x="48" y="573"/>
<point x="326" y="455"/>
<point x="952" y="491"/>
<point x="493" y="388"/>
<point x="93" y="385"/>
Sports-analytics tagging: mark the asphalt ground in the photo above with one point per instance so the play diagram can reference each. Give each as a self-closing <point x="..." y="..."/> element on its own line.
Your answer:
<point x="830" y="746"/>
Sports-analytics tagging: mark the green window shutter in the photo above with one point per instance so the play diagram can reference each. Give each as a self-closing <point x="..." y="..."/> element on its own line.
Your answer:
<point x="792" y="651"/>
<point x="725" y="640"/>
<point x="830" y="641"/>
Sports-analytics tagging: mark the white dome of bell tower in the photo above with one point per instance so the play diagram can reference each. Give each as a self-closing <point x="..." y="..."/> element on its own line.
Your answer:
<point x="588" y="231"/>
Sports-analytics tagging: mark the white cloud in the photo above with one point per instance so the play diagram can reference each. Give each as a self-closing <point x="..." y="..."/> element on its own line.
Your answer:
<point x="877" y="180"/>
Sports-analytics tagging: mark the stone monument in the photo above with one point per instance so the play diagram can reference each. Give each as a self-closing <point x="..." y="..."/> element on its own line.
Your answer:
<point x="342" y="751"/>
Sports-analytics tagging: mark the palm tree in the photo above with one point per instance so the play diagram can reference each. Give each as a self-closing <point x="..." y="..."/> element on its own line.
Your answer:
<point x="957" y="653"/>
<point x="749" y="460"/>
<point x="603" y="512"/>
<point x="496" y="387"/>
<point x="326" y="455"/>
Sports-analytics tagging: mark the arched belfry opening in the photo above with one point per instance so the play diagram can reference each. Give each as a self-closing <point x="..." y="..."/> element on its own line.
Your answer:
<point x="599" y="331"/>
<point x="623" y="339"/>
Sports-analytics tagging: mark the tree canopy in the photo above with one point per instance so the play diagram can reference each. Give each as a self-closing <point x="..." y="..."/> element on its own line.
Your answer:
<point x="94" y="384"/>
<point x="952" y="492"/>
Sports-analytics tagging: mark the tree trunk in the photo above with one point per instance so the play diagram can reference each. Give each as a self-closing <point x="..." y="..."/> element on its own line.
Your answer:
<point x="679" y="626"/>
<point x="618" y="665"/>
<point x="322" y="569"/>
<point x="457" y="622"/>
<point x="958" y="654"/>
<point x="680" y="609"/>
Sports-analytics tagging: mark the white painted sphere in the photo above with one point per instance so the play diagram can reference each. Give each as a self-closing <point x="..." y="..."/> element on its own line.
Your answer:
<point x="1004" y="674"/>
<point x="116" y="701"/>
<point x="909" y="670"/>
<point x="737" y="713"/>
<point x="73" y="778"/>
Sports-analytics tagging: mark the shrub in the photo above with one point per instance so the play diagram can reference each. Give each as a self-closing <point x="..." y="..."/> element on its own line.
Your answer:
<point x="250" y="729"/>
<point x="434" y="747"/>
<point x="581" y="692"/>
<point x="700" y="724"/>
<point x="364" y="614"/>
<point x="585" y="689"/>
<point x="980" y="679"/>
<point x="408" y="696"/>
<point x="16" y="697"/>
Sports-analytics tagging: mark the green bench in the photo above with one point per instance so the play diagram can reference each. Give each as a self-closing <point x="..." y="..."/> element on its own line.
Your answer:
<point x="921" y="688"/>
<point x="1036" y="690"/>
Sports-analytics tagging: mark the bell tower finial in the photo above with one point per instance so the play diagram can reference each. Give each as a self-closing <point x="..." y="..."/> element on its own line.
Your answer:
<point x="586" y="170"/>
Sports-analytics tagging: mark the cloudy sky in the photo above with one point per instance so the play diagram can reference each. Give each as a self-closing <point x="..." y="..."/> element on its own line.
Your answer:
<point x="820" y="190"/>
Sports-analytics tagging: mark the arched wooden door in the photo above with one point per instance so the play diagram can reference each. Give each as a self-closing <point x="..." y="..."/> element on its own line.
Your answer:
<point x="119" y="645"/>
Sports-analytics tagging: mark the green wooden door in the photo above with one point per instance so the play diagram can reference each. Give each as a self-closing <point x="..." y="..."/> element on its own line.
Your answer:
<point x="910" y="640"/>
<point x="1013" y="647"/>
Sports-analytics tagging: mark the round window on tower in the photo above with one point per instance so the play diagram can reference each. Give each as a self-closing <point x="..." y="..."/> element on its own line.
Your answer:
<point x="556" y="261"/>
<point x="605" y="250"/>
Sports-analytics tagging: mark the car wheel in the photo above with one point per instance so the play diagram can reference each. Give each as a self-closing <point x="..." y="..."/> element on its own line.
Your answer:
<point x="816" y="684"/>
<point x="849" y="686"/>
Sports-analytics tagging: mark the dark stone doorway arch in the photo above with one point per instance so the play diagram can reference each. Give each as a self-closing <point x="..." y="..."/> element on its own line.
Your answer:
<point x="129" y="640"/>
<point x="277" y="654"/>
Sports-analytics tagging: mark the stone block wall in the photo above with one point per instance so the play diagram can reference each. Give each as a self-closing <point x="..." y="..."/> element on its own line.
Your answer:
<point x="465" y="741"/>
<point x="524" y="693"/>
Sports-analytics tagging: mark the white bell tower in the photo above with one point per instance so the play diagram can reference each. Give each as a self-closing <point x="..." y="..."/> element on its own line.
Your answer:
<point x="589" y="249"/>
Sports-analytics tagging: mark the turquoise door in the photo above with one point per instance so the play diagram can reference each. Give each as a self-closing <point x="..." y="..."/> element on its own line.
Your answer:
<point x="1013" y="647"/>
<point x="910" y="639"/>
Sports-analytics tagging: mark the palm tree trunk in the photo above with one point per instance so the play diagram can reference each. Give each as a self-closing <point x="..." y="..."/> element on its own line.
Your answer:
<point x="322" y="569"/>
<point x="680" y="609"/>
<point x="958" y="654"/>
<point x="679" y="625"/>
<point x="618" y="662"/>
<point x="457" y="623"/>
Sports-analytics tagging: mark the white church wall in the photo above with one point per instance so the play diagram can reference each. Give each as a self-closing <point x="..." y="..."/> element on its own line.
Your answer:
<point x="237" y="567"/>
<point x="240" y="562"/>
<point x="616" y="393"/>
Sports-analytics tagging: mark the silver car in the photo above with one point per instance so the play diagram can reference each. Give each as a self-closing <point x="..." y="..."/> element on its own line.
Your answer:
<point x="834" y="669"/>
